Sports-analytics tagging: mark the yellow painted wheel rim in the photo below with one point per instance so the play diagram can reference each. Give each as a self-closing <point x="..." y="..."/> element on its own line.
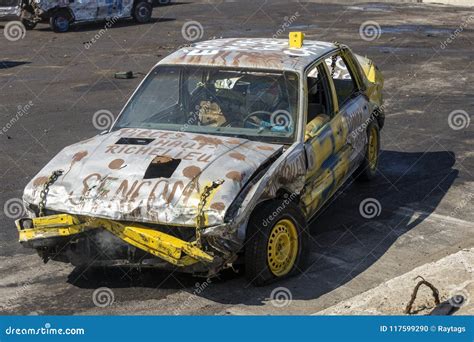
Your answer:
<point x="373" y="148"/>
<point x="282" y="247"/>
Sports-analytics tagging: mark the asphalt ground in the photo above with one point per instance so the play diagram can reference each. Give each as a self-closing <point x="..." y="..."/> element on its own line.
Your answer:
<point x="424" y="185"/>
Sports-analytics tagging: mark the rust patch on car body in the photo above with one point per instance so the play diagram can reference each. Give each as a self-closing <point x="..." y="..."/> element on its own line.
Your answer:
<point x="191" y="172"/>
<point x="40" y="181"/>
<point x="234" y="175"/>
<point x="218" y="206"/>
<point x="208" y="140"/>
<point x="116" y="164"/>
<point x="265" y="148"/>
<point x="237" y="155"/>
<point x="161" y="160"/>
<point x="79" y="156"/>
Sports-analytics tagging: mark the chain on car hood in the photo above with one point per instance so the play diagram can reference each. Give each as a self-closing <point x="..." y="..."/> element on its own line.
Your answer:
<point x="149" y="175"/>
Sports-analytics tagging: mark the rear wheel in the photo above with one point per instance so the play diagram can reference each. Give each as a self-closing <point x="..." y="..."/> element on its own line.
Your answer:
<point x="368" y="167"/>
<point x="276" y="243"/>
<point x="60" y="21"/>
<point x="142" y="12"/>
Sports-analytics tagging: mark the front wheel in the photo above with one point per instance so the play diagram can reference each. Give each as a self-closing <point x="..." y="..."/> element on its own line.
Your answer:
<point x="276" y="242"/>
<point x="60" y="22"/>
<point x="368" y="167"/>
<point x="142" y="12"/>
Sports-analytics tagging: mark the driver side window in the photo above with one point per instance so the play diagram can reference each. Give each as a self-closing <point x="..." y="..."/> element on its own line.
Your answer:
<point x="319" y="107"/>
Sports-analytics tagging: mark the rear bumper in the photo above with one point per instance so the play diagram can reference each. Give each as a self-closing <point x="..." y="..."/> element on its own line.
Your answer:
<point x="66" y="237"/>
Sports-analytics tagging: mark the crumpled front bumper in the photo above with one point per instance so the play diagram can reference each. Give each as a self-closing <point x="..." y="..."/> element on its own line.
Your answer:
<point x="169" y="248"/>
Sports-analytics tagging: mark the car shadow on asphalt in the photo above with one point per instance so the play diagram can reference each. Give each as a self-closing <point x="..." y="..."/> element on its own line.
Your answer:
<point x="345" y="241"/>
<point x="156" y="3"/>
<point x="100" y="25"/>
<point x="11" y="64"/>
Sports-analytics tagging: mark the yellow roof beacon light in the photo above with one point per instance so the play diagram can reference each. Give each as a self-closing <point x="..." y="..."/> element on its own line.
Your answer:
<point x="295" y="40"/>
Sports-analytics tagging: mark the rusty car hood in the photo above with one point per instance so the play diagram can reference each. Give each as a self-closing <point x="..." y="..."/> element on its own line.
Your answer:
<point x="109" y="176"/>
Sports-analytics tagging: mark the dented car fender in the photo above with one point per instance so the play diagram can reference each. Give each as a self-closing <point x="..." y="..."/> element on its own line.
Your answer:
<point x="285" y="175"/>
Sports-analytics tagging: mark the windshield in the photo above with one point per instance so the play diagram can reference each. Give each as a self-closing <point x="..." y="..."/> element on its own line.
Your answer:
<point x="250" y="104"/>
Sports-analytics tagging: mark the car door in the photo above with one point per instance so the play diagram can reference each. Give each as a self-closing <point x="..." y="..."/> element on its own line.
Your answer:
<point x="329" y="151"/>
<point x="353" y="105"/>
<point x="323" y="138"/>
<point x="106" y="9"/>
<point x="84" y="10"/>
<point x="114" y="8"/>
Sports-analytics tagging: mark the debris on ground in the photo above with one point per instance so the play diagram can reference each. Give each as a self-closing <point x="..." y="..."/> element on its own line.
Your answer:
<point x="124" y="74"/>
<point x="454" y="281"/>
<point x="415" y="292"/>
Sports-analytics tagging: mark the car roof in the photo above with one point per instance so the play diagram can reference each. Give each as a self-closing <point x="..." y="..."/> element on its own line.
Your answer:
<point x="256" y="53"/>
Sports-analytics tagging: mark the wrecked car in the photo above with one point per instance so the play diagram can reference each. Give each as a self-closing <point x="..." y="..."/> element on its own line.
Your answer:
<point x="220" y="158"/>
<point x="62" y="13"/>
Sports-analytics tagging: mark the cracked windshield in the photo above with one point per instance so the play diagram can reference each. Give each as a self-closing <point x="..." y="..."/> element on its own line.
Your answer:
<point x="248" y="104"/>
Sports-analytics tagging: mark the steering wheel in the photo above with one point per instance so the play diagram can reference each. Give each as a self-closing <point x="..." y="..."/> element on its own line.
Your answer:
<point x="257" y="117"/>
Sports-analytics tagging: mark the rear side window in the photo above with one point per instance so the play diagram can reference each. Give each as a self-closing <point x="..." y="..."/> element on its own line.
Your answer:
<point x="342" y="77"/>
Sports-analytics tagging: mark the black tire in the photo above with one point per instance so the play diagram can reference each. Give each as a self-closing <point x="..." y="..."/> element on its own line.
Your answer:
<point x="142" y="12"/>
<point x="367" y="169"/>
<point x="29" y="25"/>
<point x="60" y="21"/>
<point x="261" y="227"/>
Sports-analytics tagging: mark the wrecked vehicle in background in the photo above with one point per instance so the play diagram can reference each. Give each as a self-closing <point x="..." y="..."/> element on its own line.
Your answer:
<point x="221" y="157"/>
<point x="62" y="13"/>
